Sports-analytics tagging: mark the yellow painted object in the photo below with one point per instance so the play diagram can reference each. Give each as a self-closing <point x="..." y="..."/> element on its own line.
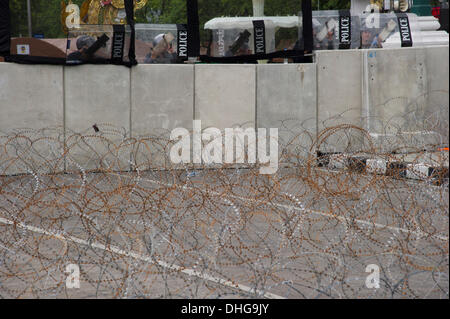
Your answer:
<point x="378" y="3"/>
<point x="101" y="11"/>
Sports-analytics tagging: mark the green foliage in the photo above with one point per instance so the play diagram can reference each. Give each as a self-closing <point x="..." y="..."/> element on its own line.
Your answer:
<point x="45" y="17"/>
<point x="163" y="11"/>
<point x="331" y="4"/>
<point x="18" y="10"/>
<point x="174" y="11"/>
<point x="46" y="14"/>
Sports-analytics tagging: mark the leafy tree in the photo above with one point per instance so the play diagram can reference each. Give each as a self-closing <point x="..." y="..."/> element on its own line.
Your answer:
<point x="18" y="11"/>
<point x="174" y="11"/>
<point x="331" y="4"/>
<point x="45" y="17"/>
<point x="46" y="14"/>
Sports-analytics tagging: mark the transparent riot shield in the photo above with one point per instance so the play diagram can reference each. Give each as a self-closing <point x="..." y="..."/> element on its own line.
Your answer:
<point x="161" y="43"/>
<point x="272" y="33"/>
<point x="98" y="44"/>
<point x="390" y="30"/>
<point x="334" y="30"/>
<point x="253" y="36"/>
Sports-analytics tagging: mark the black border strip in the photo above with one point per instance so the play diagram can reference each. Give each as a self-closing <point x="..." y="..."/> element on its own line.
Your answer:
<point x="345" y="14"/>
<point x="182" y="28"/>
<point x="193" y="28"/>
<point x="294" y="54"/>
<point x="400" y="17"/>
<point x="118" y="43"/>
<point x="5" y="28"/>
<point x="129" y="9"/>
<point x="27" y="59"/>
<point x="307" y="26"/>
<point x="260" y="26"/>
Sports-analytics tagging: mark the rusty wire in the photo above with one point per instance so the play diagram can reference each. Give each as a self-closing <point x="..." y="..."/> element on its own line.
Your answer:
<point x="141" y="227"/>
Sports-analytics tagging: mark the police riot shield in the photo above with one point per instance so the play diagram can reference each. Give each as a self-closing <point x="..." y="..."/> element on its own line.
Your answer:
<point x="161" y="43"/>
<point x="109" y="44"/>
<point x="253" y="36"/>
<point x="230" y="35"/>
<point x="390" y="30"/>
<point x="335" y="30"/>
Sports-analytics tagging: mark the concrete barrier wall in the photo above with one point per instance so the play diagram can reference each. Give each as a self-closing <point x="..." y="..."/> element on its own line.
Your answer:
<point x="406" y="95"/>
<point x="437" y="76"/>
<point x="287" y="100"/>
<point x="373" y="89"/>
<point x="395" y="89"/>
<point x="339" y="96"/>
<point x="31" y="97"/>
<point x="96" y="95"/>
<point x="437" y="110"/>
<point x="225" y="95"/>
<point x="162" y="98"/>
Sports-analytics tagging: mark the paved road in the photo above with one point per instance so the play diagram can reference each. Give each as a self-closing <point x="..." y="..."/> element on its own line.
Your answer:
<point x="229" y="233"/>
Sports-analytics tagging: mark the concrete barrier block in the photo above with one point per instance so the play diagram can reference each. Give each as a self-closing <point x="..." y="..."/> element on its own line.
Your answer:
<point x="437" y="112"/>
<point x="225" y="95"/>
<point x="339" y="95"/>
<point x="162" y="99"/>
<point x="286" y="99"/>
<point x="31" y="106"/>
<point x="437" y="74"/>
<point x="397" y="87"/>
<point x="97" y="95"/>
<point x="400" y="91"/>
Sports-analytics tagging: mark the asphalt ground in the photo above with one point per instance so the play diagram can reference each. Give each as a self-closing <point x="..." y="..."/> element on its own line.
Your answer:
<point x="305" y="232"/>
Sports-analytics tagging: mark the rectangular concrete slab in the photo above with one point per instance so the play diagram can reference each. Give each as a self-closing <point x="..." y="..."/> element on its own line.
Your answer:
<point x="398" y="98"/>
<point x="286" y="99"/>
<point x="97" y="95"/>
<point x="225" y="95"/>
<point x="31" y="102"/>
<point x="162" y="100"/>
<point x="339" y="96"/>
<point x="397" y="85"/>
<point x="438" y="90"/>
